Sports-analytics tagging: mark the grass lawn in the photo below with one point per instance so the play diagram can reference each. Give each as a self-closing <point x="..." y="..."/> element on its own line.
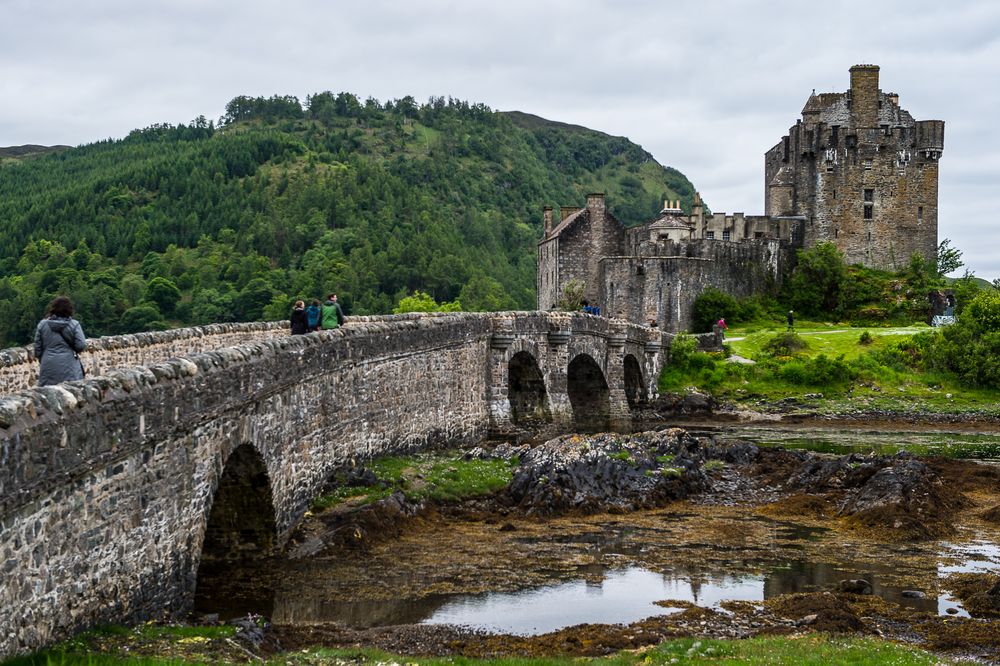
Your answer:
<point x="830" y="339"/>
<point x="849" y="378"/>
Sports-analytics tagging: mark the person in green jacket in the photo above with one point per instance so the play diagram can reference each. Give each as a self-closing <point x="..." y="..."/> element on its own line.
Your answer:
<point x="333" y="315"/>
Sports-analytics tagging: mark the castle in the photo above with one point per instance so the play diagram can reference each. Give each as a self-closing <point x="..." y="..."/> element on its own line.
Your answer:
<point x="857" y="171"/>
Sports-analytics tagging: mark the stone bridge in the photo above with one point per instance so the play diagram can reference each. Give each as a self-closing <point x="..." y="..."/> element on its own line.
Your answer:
<point x="217" y="439"/>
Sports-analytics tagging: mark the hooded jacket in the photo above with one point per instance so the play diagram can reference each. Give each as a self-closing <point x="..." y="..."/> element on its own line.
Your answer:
<point x="58" y="340"/>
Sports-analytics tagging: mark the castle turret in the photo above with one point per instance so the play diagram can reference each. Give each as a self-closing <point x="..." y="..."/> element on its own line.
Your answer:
<point x="864" y="95"/>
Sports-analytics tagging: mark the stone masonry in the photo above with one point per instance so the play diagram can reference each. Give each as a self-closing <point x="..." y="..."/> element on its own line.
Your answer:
<point x="857" y="170"/>
<point x="107" y="483"/>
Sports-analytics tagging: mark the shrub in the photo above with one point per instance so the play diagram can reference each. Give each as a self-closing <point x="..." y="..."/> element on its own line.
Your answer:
<point x="819" y="371"/>
<point x="784" y="344"/>
<point x="865" y="338"/>
<point x="710" y="305"/>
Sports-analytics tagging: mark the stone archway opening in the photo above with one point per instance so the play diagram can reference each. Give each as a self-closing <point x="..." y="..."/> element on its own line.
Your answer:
<point x="526" y="391"/>
<point x="588" y="394"/>
<point x="240" y="536"/>
<point x="634" y="392"/>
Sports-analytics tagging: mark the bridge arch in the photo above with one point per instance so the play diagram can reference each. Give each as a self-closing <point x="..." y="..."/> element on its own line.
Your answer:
<point x="589" y="393"/>
<point x="529" y="402"/>
<point x="241" y="525"/>
<point x="241" y="522"/>
<point x="635" y="387"/>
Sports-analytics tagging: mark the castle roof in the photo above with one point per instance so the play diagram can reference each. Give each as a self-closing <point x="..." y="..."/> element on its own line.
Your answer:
<point x="784" y="178"/>
<point x="570" y="219"/>
<point x="669" y="221"/>
<point x="817" y="103"/>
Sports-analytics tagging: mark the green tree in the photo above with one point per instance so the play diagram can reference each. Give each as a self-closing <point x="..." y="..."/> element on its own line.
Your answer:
<point x="818" y="281"/>
<point x="422" y="302"/>
<point x="949" y="259"/>
<point x="711" y="305"/>
<point x="142" y="318"/>
<point x="484" y="294"/>
<point x="164" y="293"/>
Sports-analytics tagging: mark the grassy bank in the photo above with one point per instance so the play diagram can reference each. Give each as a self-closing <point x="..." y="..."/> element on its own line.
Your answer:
<point x="802" y="650"/>
<point x="825" y="368"/>
<point x="443" y="476"/>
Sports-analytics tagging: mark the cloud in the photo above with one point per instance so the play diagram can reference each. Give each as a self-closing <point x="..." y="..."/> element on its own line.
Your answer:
<point x="705" y="86"/>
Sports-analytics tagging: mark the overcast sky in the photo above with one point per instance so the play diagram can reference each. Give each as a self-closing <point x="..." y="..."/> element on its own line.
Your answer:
<point x="705" y="86"/>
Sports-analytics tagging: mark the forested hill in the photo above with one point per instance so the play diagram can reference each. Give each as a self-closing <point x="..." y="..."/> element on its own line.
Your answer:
<point x="191" y="224"/>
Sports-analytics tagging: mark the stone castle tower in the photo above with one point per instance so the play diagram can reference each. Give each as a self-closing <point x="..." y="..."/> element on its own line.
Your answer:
<point x="857" y="170"/>
<point x="861" y="172"/>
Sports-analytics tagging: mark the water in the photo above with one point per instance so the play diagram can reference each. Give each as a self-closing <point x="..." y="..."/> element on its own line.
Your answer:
<point x="964" y="445"/>
<point x="596" y="593"/>
<point x="622" y="596"/>
<point x="620" y="585"/>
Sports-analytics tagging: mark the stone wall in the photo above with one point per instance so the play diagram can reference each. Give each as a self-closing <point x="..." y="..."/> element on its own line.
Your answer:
<point x="107" y="483"/>
<point x="663" y="288"/>
<point x="19" y="370"/>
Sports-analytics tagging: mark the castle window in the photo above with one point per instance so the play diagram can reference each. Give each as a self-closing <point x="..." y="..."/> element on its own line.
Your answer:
<point x="868" y="165"/>
<point x="868" y="211"/>
<point x="836" y="233"/>
<point x="920" y="214"/>
<point x="869" y="196"/>
<point x="725" y="235"/>
<point x="710" y="234"/>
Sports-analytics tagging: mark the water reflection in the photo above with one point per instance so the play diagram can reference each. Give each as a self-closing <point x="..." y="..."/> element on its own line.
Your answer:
<point x="597" y="595"/>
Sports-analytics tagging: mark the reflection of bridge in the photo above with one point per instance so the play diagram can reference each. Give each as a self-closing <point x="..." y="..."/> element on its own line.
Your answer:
<point x="111" y="487"/>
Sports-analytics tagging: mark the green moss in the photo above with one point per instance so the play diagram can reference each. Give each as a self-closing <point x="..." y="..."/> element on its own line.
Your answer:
<point x="441" y="476"/>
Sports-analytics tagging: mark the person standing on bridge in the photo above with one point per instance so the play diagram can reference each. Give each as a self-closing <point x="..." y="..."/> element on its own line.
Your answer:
<point x="313" y="314"/>
<point x="299" y="319"/>
<point x="333" y="315"/>
<point x="59" y="339"/>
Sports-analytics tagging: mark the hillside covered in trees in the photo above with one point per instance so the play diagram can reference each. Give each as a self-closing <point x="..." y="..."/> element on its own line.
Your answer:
<point x="190" y="224"/>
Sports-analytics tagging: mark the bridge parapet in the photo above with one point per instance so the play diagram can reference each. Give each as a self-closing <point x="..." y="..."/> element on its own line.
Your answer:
<point x="106" y="484"/>
<point x="19" y="369"/>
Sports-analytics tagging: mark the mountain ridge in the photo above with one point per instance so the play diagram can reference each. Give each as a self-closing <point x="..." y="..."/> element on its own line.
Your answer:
<point x="186" y="224"/>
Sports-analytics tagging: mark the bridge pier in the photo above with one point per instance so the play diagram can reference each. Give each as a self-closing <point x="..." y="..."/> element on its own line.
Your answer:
<point x="621" y="415"/>
<point x="653" y="362"/>
<point x="499" y="382"/>
<point x="557" y="379"/>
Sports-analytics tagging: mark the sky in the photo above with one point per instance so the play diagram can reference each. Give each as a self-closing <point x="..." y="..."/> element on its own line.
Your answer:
<point x="705" y="86"/>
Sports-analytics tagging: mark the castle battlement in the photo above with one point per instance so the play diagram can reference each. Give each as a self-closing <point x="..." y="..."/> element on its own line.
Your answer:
<point x="856" y="170"/>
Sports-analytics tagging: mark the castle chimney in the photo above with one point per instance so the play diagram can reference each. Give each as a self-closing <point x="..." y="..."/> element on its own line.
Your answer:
<point x="547" y="220"/>
<point x="595" y="201"/>
<point x="566" y="211"/>
<point x="864" y="95"/>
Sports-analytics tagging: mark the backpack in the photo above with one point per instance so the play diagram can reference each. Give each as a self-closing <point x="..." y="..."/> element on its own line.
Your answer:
<point x="313" y="313"/>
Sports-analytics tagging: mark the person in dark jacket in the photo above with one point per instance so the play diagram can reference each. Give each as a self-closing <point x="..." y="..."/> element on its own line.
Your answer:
<point x="300" y="320"/>
<point x="313" y="315"/>
<point x="59" y="339"/>
<point x="333" y="315"/>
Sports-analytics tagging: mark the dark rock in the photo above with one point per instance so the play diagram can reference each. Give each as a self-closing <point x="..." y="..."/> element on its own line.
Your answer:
<point x="685" y="404"/>
<point x="913" y="594"/>
<point x="249" y="632"/>
<point x="508" y="527"/>
<point x="854" y="586"/>
<point x="609" y="472"/>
